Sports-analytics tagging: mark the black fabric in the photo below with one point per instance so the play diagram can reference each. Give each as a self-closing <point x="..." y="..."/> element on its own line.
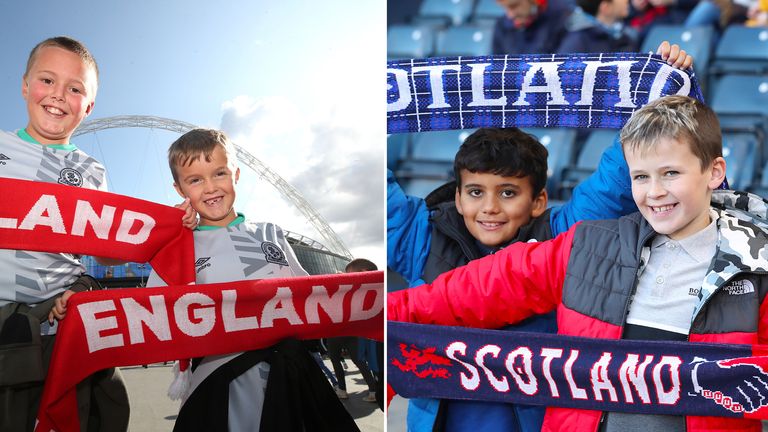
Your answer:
<point x="298" y="397"/>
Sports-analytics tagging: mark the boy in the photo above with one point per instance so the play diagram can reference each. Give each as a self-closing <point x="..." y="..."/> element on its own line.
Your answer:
<point x="674" y="152"/>
<point x="598" y="26"/>
<point x="227" y="248"/>
<point x="59" y="86"/>
<point x="499" y="199"/>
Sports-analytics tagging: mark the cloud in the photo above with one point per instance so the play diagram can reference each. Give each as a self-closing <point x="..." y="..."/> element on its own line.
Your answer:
<point x="337" y="167"/>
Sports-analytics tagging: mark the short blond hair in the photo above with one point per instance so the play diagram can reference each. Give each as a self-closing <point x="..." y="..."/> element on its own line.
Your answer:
<point x="682" y="118"/>
<point x="195" y="143"/>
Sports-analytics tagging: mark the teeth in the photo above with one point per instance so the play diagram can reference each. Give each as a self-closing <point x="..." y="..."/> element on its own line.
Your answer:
<point x="491" y="224"/>
<point x="213" y="201"/>
<point x="662" y="208"/>
<point x="54" y="110"/>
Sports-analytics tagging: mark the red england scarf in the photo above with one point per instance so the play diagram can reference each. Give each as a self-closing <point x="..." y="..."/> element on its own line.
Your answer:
<point x="50" y="217"/>
<point x="122" y="327"/>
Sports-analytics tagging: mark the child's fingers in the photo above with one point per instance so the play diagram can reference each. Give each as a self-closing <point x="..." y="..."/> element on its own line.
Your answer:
<point x="663" y="50"/>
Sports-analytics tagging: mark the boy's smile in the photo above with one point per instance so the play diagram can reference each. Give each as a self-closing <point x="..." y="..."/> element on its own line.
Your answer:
<point x="670" y="188"/>
<point x="495" y="207"/>
<point x="59" y="90"/>
<point x="210" y="187"/>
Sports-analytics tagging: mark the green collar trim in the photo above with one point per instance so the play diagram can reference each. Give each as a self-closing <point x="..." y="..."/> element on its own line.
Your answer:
<point x="22" y="133"/>
<point x="238" y="220"/>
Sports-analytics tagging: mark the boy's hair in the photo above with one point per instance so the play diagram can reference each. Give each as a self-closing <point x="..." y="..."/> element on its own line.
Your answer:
<point x="360" y="265"/>
<point x="507" y="152"/>
<point x="188" y="148"/>
<point x="682" y="118"/>
<point x="68" y="44"/>
<point x="590" y="6"/>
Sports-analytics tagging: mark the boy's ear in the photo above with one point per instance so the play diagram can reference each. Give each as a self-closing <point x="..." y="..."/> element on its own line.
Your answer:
<point x="718" y="173"/>
<point x="178" y="190"/>
<point x="457" y="200"/>
<point x="90" y="108"/>
<point x="237" y="175"/>
<point x="24" y="88"/>
<point x="540" y="203"/>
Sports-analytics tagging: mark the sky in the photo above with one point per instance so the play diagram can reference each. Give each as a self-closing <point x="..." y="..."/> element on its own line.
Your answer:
<point x="296" y="83"/>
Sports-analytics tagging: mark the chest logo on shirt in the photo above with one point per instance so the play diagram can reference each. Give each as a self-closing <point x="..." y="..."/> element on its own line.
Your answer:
<point x="202" y="263"/>
<point x="71" y="177"/>
<point x="273" y="253"/>
<point x="739" y="287"/>
<point x="3" y="158"/>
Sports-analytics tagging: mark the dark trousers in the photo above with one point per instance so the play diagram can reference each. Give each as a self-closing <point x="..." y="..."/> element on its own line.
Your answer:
<point x="335" y="345"/>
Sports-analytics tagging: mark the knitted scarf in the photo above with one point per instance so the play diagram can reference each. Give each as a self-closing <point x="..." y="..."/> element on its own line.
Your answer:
<point x="642" y="377"/>
<point x="537" y="90"/>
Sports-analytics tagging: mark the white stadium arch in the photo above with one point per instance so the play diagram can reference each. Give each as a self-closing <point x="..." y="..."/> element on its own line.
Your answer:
<point x="334" y="243"/>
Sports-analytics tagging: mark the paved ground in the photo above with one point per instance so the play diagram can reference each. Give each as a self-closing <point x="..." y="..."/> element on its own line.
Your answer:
<point x="152" y="411"/>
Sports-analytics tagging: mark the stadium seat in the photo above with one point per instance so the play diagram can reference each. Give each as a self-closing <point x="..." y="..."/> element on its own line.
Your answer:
<point x="486" y="13"/>
<point x="741" y="50"/>
<point x="587" y="160"/>
<point x="431" y="160"/>
<point x="760" y="185"/>
<point x="560" y="143"/>
<point x="397" y="149"/>
<point x="741" y="104"/>
<point x="409" y="41"/>
<point x="739" y="150"/>
<point x="441" y="14"/>
<point x="696" y="41"/>
<point x="464" y="40"/>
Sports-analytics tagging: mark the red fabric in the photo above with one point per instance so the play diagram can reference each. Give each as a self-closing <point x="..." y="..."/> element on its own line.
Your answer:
<point x="45" y="217"/>
<point x="101" y="328"/>
<point x="534" y="287"/>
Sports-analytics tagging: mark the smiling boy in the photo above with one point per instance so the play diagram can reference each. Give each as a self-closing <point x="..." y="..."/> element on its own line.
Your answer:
<point x="228" y="247"/>
<point x="613" y="279"/>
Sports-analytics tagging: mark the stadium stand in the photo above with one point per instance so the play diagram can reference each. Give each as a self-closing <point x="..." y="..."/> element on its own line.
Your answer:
<point x="739" y="151"/>
<point x="697" y="41"/>
<point x="587" y="160"/>
<point x="464" y="40"/>
<point x="741" y="50"/>
<point x="397" y="149"/>
<point x="561" y="145"/>
<point x="486" y="13"/>
<point x="405" y="41"/>
<point x="441" y="14"/>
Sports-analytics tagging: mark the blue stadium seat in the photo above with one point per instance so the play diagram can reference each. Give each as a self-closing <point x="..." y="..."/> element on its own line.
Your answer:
<point x="741" y="50"/>
<point x="397" y="149"/>
<point x="696" y="41"/>
<point x="587" y="160"/>
<point x="741" y="95"/>
<point x="421" y="187"/>
<point x="444" y="13"/>
<point x="464" y="40"/>
<point x="760" y="185"/>
<point x="431" y="160"/>
<point x="561" y="144"/>
<point x="486" y="13"/>
<point x="409" y="41"/>
<point x="739" y="150"/>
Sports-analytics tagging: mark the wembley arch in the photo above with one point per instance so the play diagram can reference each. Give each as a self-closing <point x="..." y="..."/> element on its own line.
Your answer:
<point x="333" y="242"/>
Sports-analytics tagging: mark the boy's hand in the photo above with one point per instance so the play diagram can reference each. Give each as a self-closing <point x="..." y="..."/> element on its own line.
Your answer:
<point x="674" y="56"/>
<point x="189" y="220"/>
<point x="59" y="309"/>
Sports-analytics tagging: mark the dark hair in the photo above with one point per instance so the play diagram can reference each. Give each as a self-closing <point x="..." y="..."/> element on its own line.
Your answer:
<point x="69" y="44"/>
<point x="195" y="143"/>
<point x="360" y="265"/>
<point x="590" y="6"/>
<point x="507" y="152"/>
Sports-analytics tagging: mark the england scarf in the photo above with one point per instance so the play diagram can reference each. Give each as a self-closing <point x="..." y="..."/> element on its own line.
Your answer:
<point x="50" y="217"/>
<point x="642" y="377"/>
<point x="122" y="327"/>
<point x="537" y="90"/>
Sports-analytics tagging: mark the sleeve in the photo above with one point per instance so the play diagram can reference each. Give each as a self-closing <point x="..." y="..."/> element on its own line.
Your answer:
<point x="408" y="232"/>
<point x="522" y="280"/>
<point x="606" y="194"/>
<point x="290" y="255"/>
